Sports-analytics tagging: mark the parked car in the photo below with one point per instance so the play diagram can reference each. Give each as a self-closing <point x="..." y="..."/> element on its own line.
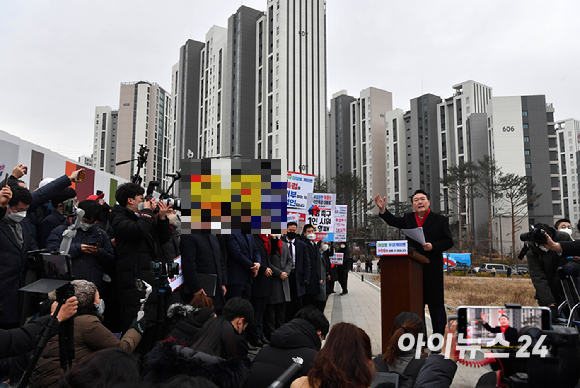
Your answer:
<point x="459" y="267"/>
<point x="499" y="268"/>
<point x="520" y="269"/>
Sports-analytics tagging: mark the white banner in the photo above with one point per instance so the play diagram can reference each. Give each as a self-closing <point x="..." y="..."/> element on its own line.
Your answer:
<point x="338" y="258"/>
<point x="393" y="248"/>
<point x="297" y="188"/>
<point x="177" y="281"/>
<point x="321" y="215"/>
<point x="340" y="220"/>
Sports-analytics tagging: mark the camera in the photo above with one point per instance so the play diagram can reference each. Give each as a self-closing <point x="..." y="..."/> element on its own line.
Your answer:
<point x="538" y="234"/>
<point x="173" y="203"/>
<point x="160" y="269"/>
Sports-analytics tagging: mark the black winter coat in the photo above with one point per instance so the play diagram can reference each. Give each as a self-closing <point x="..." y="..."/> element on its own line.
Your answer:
<point x="185" y="322"/>
<point x="297" y="338"/>
<point x="19" y="341"/>
<point x="436" y="230"/>
<point x="138" y="239"/>
<point x="169" y="358"/>
<point x="314" y="276"/>
<point x="47" y="225"/>
<point x="85" y="265"/>
<point x="262" y="285"/>
<point x="13" y="266"/>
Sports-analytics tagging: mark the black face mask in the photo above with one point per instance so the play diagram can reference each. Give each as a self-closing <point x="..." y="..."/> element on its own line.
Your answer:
<point x="291" y="235"/>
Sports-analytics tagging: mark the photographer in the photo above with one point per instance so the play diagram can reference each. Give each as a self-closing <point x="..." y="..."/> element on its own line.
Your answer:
<point x="15" y="242"/>
<point x="56" y="216"/>
<point x="139" y="234"/>
<point x="21" y="340"/>
<point x="90" y="250"/>
<point x="543" y="265"/>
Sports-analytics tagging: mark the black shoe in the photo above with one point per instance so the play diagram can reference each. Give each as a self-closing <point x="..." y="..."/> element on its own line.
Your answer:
<point x="265" y="341"/>
<point x="343" y="293"/>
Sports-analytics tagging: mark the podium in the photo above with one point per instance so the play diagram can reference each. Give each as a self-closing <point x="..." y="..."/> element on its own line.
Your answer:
<point x="401" y="289"/>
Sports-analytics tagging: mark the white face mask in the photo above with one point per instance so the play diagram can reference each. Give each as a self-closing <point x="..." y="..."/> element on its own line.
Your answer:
<point x="566" y="230"/>
<point x="343" y="246"/>
<point x="141" y="206"/>
<point x="100" y="307"/>
<point x="325" y="247"/>
<point x="171" y="218"/>
<point x="17" y="217"/>
<point x="542" y="248"/>
<point x="311" y="236"/>
<point x="85" y="226"/>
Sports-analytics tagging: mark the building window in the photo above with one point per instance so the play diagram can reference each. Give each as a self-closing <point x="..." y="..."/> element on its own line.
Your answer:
<point x="528" y="166"/>
<point x="526" y="139"/>
<point x="526" y="126"/>
<point x="526" y="152"/>
<point x="524" y="113"/>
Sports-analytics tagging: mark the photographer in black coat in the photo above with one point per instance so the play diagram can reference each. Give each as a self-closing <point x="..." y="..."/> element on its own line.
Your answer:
<point x="543" y="265"/>
<point x="139" y="234"/>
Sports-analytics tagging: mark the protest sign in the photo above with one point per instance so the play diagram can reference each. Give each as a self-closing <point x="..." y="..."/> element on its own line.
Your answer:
<point x="338" y="258"/>
<point x="321" y="215"/>
<point x="340" y="220"/>
<point x="297" y="188"/>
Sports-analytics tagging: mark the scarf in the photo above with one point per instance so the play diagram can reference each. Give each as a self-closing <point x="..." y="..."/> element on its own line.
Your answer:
<point x="421" y="220"/>
<point x="268" y="246"/>
<point x="16" y="229"/>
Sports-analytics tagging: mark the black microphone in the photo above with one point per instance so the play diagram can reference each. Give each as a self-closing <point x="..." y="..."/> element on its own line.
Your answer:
<point x="289" y="374"/>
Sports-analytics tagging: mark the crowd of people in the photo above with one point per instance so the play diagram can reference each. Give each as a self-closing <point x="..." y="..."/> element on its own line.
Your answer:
<point x="240" y="292"/>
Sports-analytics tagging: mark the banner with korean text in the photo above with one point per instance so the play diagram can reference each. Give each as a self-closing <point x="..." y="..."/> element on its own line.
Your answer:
<point x="340" y="214"/>
<point x="321" y="215"/>
<point x="297" y="187"/>
<point x="389" y="248"/>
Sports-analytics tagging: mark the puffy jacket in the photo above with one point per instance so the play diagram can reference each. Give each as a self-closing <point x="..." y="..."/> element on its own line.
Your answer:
<point x="169" y="358"/>
<point x="297" y="338"/>
<point x="89" y="336"/>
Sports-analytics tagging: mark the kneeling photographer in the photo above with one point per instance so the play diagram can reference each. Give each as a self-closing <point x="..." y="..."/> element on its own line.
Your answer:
<point x="139" y="235"/>
<point x="543" y="264"/>
<point x="90" y="335"/>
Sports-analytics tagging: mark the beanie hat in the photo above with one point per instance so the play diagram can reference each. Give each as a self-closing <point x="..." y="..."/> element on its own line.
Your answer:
<point x="85" y="292"/>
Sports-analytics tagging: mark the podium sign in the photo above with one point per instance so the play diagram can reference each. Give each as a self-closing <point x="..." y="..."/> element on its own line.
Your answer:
<point x="392" y="248"/>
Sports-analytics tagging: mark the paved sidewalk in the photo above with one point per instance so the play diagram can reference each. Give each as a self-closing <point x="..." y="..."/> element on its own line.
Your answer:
<point x="362" y="307"/>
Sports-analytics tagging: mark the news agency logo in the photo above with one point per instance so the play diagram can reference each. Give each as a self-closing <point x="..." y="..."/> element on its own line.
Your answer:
<point x="435" y="344"/>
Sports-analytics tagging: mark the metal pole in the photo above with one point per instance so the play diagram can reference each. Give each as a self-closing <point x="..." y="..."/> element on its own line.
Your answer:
<point x="501" y="239"/>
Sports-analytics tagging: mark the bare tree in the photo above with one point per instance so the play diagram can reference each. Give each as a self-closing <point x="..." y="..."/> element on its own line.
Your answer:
<point x="487" y="186"/>
<point x="518" y="192"/>
<point x="460" y="180"/>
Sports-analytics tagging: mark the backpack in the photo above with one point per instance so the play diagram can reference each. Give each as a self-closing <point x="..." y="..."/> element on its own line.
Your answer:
<point x="387" y="379"/>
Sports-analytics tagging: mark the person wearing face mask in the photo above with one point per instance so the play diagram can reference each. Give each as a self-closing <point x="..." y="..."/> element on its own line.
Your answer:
<point x="325" y="252"/>
<point x="344" y="268"/>
<point x="15" y="242"/>
<point x="564" y="225"/>
<point x="56" y="217"/>
<point x="300" y="272"/>
<point x="315" y="275"/>
<point x="543" y="265"/>
<point x="90" y="336"/>
<point x="139" y="235"/>
<point x="90" y="250"/>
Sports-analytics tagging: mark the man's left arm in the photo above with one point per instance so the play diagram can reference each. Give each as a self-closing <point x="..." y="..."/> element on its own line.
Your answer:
<point x="163" y="230"/>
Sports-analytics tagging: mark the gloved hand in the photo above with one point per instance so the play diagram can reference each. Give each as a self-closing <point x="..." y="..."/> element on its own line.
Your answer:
<point x="139" y="325"/>
<point x="305" y="283"/>
<point x="568" y="270"/>
<point x="554" y="310"/>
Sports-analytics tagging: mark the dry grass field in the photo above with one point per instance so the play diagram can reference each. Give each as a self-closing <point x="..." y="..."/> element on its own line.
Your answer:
<point x="483" y="291"/>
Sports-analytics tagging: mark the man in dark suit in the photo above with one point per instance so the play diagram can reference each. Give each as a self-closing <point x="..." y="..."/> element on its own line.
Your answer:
<point x="300" y="274"/>
<point x="314" y="274"/>
<point x="201" y="254"/>
<point x="15" y="242"/>
<point x="437" y="240"/>
<point x="242" y="264"/>
<point x="510" y="334"/>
